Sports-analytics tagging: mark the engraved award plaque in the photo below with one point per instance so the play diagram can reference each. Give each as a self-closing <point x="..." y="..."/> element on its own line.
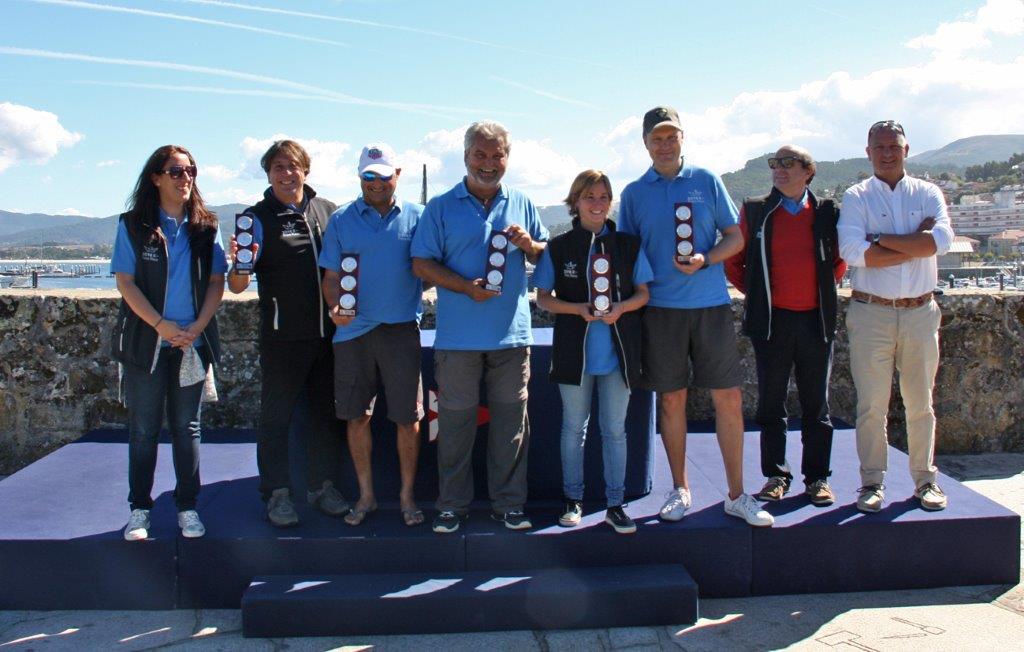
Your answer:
<point x="245" y="244"/>
<point x="684" y="232"/>
<point x="600" y="284"/>
<point x="349" y="281"/>
<point x="497" y="252"/>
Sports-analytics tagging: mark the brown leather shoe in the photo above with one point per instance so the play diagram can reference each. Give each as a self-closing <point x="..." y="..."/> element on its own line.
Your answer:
<point x="820" y="493"/>
<point x="774" y="489"/>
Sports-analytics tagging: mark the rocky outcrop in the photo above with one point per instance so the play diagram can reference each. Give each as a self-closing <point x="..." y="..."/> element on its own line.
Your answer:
<point x="57" y="380"/>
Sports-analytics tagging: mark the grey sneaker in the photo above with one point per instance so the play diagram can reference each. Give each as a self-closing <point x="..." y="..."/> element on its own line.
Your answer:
<point x="931" y="497"/>
<point x="572" y="514"/>
<point x="328" y="500"/>
<point x="746" y="507"/>
<point x="191" y="526"/>
<point x="138" y="525"/>
<point x="280" y="510"/>
<point x="677" y="502"/>
<point x="871" y="498"/>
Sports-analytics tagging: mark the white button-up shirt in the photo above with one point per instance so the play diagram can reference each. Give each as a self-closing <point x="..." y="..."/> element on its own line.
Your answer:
<point x="872" y="206"/>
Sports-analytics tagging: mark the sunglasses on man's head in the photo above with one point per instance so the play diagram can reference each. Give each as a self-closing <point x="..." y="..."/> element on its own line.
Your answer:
<point x="175" y="171"/>
<point x="887" y="125"/>
<point x="784" y="162"/>
<point x="373" y="176"/>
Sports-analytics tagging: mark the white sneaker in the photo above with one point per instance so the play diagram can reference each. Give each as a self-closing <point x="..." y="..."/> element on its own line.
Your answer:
<point x="677" y="502"/>
<point x="749" y="510"/>
<point x="138" y="525"/>
<point x="191" y="526"/>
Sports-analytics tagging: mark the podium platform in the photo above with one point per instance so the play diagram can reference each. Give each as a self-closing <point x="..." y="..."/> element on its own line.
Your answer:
<point x="61" y="544"/>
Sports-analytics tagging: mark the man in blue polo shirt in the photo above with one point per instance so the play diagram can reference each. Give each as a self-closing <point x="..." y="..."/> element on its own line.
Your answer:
<point x="481" y="333"/>
<point x="688" y="323"/>
<point x="366" y="251"/>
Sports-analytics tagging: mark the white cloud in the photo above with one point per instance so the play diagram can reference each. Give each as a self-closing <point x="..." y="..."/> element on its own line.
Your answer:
<point x="31" y="136"/>
<point x="232" y="196"/>
<point x="70" y="211"/>
<point x="107" y="164"/>
<point x="219" y="173"/>
<point x="950" y="40"/>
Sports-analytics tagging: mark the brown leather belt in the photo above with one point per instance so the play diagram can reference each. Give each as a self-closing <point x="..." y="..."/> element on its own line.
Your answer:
<point x="912" y="302"/>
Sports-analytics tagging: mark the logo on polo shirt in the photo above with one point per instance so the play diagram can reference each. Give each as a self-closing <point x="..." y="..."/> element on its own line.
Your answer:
<point x="695" y="195"/>
<point x="569" y="270"/>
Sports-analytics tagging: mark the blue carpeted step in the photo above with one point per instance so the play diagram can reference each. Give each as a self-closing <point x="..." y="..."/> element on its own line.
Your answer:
<point x="408" y="603"/>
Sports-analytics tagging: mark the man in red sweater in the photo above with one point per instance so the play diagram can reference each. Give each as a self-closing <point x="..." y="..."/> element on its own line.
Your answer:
<point x="788" y="270"/>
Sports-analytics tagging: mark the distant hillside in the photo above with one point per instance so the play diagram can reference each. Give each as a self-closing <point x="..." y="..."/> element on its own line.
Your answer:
<point x="755" y="178"/>
<point x="551" y="216"/>
<point x="972" y="151"/>
<point x="14" y="222"/>
<point x="90" y="231"/>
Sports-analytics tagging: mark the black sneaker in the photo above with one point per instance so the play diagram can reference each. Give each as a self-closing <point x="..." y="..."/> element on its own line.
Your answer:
<point x="617" y="518"/>
<point x="572" y="514"/>
<point x="447" y="522"/>
<point x="514" y="519"/>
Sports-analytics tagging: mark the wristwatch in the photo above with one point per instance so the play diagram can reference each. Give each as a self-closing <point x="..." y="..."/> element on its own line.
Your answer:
<point x="875" y="237"/>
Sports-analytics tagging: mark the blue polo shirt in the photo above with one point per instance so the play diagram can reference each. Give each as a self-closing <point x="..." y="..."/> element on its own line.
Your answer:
<point x="389" y="293"/>
<point x="178" y="305"/>
<point x="599" y="351"/>
<point x="647" y="209"/>
<point x="455" y="232"/>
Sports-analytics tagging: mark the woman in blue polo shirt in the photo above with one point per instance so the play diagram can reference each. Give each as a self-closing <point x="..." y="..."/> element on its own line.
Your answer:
<point x="591" y="350"/>
<point x="169" y="264"/>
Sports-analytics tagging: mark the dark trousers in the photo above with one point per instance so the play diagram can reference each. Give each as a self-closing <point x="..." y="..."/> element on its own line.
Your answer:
<point x="146" y="395"/>
<point x="796" y="346"/>
<point x="287" y="369"/>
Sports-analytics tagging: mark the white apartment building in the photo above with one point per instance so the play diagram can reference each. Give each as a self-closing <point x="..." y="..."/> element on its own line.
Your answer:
<point x="977" y="218"/>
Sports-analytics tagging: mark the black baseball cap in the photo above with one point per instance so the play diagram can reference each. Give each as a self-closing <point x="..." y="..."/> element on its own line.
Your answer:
<point x="659" y="116"/>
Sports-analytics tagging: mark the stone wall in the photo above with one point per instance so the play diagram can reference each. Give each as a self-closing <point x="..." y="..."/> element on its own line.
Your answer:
<point x="57" y="380"/>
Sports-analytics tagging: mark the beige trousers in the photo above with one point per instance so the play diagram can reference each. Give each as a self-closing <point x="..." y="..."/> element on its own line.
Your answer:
<point x="881" y="338"/>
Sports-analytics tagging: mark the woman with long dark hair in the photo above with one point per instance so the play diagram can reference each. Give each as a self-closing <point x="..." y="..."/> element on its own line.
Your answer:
<point x="169" y="264"/>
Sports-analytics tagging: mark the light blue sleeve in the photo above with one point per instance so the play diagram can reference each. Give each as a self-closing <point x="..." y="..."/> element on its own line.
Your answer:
<point x="428" y="241"/>
<point x="642" y="272"/>
<point x="544" y="273"/>
<point x="330" y="255"/>
<point x="726" y="214"/>
<point x="123" y="259"/>
<point x="220" y="259"/>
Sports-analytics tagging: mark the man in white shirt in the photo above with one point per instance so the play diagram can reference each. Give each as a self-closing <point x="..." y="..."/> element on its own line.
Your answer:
<point x="891" y="228"/>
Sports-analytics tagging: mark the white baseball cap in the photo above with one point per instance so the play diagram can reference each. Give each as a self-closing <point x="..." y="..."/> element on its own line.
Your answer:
<point x="379" y="158"/>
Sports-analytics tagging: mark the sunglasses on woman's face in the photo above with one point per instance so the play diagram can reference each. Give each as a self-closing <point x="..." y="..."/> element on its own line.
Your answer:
<point x="373" y="176"/>
<point x="783" y="162"/>
<point x="175" y="171"/>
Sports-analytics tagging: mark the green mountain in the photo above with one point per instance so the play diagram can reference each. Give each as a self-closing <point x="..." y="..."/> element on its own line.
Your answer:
<point x="15" y="222"/>
<point x="972" y="151"/>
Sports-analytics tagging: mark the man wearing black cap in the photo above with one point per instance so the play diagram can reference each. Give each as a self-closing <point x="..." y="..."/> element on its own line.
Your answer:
<point x="678" y="211"/>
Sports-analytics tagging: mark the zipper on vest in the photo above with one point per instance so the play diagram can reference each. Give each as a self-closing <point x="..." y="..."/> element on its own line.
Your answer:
<point x="275" y="312"/>
<point x="316" y="268"/>
<point x="764" y="265"/>
<point x="195" y="301"/>
<point x="586" y="324"/>
<point x="120" y="340"/>
<point x="167" y="277"/>
<point x="821" y="303"/>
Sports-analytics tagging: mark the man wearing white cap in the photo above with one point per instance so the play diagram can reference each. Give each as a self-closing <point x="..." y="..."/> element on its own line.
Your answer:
<point x="376" y="303"/>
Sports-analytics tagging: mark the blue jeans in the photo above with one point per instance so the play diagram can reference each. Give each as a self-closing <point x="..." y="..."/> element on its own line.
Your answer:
<point x="613" y="400"/>
<point x="146" y="395"/>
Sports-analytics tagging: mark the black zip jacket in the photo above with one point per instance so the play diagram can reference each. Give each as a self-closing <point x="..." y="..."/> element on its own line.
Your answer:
<point x="570" y="255"/>
<point x="757" y="312"/>
<point x="134" y="341"/>
<point x="291" y="302"/>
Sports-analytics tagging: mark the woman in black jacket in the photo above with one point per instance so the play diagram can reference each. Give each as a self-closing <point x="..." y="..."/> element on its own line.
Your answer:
<point x="169" y="264"/>
<point x="594" y="344"/>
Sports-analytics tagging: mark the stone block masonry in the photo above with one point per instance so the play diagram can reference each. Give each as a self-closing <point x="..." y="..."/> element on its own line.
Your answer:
<point x="57" y="380"/>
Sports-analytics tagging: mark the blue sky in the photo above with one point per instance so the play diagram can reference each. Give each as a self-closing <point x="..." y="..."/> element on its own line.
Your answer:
<point x="90" y="88"/>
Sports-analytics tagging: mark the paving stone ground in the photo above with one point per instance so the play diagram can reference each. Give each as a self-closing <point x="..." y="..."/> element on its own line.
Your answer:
<point x="955" y="618"/>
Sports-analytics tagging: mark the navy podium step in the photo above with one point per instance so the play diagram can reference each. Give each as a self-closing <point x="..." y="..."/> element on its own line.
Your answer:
<point x="61" y="544"/>
<point x="469" y="601"/>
